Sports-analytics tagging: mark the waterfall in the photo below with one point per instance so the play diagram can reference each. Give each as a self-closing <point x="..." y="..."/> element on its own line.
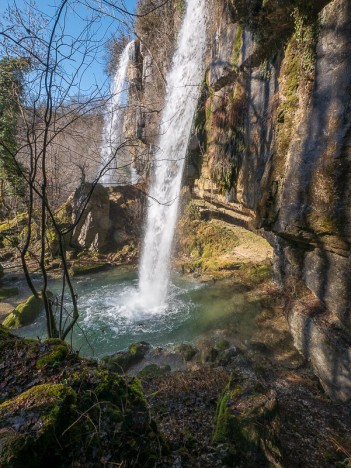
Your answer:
<point x="183" y="88"/>
<point x="116" y="170"/>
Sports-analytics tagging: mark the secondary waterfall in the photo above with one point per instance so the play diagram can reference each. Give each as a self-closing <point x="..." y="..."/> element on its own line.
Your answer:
<point x="116" y="169"/>
<point x="183" y="88"/>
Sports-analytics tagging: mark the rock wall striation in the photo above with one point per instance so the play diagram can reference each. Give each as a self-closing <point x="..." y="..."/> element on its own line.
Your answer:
<point x="272" y="133"/>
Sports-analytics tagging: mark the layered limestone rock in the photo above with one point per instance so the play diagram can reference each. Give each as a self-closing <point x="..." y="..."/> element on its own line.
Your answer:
<point x="272" y="138"/>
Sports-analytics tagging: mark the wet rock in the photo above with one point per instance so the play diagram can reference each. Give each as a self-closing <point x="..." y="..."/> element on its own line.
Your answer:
<point x="186" y="350"/>
<point x="122" y="361"/>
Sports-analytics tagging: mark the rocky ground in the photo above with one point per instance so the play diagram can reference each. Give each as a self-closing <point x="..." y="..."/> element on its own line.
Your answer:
<point x="274" y="410"/>
<point x="313" y="430"/>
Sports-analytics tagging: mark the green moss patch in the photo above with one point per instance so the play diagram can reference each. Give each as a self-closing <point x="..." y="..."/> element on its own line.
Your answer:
<point x="17" y="222"/>
<point x="58" y="353"/>
<point x="206" y="239"/>
<point x="238" y="42"/>
<point x="256" y="274"/>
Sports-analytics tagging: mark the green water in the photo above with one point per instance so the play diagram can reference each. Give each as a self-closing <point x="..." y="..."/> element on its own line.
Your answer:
<point x="112" y="317"/>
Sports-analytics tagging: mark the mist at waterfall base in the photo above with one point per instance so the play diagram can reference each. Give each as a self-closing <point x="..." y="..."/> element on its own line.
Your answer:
<point x="110" y="321"/>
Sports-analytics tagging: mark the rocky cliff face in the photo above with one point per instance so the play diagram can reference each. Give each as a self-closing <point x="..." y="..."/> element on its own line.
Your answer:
<point x="273" y="133"/>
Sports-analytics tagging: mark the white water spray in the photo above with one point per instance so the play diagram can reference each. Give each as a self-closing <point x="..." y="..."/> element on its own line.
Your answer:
<point x="116" y="169"/>
<point x="183" y="88"/>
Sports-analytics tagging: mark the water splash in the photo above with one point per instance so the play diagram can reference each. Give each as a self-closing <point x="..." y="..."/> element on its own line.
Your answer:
<point x="183" y="88"/>
<point x="117" y="170"/>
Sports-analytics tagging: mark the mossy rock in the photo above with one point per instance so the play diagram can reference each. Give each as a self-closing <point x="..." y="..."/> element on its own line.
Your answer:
<point x="122" y="361"/>
<point x="58" y="353"/>
<point x="31" y="422"/>
<point x="153" y="371"/>
<point x="48" y="424"/>
<point x="25" y="313"/>
<point x="247" y="425"/>
<point x="16" y="223"/>
<point x="121" y="408"/>
<point x="222" y="345"/>
<point x="104" y="385"/>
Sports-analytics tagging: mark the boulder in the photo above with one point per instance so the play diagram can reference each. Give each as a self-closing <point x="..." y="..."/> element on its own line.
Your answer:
<point x="25" y="313"/>
<point x="124" y="360"/>
<point x="92" y="230"/>
<point x="111" y="219"/>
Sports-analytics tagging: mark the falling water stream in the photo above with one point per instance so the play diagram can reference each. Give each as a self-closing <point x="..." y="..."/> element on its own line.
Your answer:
<point x="116" y="308"/>
<point x="116" y="169"/>
<point x="183" y="89"/>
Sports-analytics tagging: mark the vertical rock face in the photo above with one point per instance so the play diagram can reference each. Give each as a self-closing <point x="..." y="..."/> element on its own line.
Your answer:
<point x="94" y="223"/>
<point x="315" y="196"/>
<point x="273" y="132"/>
<point x="112" y="217"/>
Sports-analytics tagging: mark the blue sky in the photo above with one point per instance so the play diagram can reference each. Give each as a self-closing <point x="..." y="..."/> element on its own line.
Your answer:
<point x="104" y="26"/>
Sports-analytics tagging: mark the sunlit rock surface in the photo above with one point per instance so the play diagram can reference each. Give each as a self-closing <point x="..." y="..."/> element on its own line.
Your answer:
<point x="272" y="141"/>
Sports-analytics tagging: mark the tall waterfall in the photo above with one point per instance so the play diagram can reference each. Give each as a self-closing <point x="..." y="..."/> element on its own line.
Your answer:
<point x="183" y="88"/>
<point x="116" y="169"/>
